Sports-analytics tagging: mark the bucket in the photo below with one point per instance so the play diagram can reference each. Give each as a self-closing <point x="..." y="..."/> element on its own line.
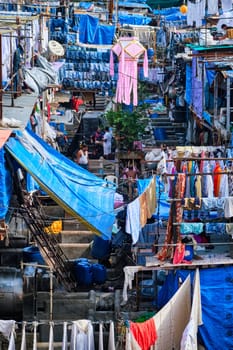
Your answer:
<point x="83" y="273"/>
<point x="160" y="134"/>
<point x="188" y="255"/>
<point x="101" y="248"/>
<point x="99" y="273"/>
<point x="32" y="254"/>
<point x="150" y="52"/>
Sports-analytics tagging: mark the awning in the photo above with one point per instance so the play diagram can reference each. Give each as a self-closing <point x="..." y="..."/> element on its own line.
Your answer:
<point x="82" y="194"/>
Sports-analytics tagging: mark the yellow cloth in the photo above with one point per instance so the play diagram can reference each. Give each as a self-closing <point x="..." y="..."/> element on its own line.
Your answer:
<point x="55" y="227"/>
<point x="151" y="198"/>
<point x="198" y="186"/>
<point x="143" y="209"/>
<point x="229" y="33"/>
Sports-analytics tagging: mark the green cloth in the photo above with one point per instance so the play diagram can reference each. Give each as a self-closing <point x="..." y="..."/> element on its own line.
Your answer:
<point x="145" y="317"/>
<point x="156" y="4"/>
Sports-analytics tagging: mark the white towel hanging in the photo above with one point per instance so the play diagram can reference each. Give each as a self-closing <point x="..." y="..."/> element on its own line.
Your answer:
<point x="23" y="339"/>
<point x="11" y="345"/>
<point x="51" y="336"/>
<point x="64" y="339"/>
<point x="111" y="339"/>
<point x="101" y="341"/>
<point x="35" y="324"/>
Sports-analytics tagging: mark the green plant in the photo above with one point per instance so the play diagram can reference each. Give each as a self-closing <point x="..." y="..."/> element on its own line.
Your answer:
<point x="128" y="126"/>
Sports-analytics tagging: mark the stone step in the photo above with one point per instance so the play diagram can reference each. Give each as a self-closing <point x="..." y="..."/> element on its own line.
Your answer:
<point x="71" y="223"/>
<point x="168" y="142"/>
<point x="168" y="125"/>
<point x="76" y="250"/>
<point x="76" y="236"/>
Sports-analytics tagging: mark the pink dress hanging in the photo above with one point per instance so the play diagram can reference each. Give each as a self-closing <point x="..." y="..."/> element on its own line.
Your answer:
<point x="128" y="50"/>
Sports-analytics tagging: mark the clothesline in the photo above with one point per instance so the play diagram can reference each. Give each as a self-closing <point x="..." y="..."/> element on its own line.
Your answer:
<point x="187" y="159"/>
<point x="198" y="173"/>
<point x="57" y="323"/>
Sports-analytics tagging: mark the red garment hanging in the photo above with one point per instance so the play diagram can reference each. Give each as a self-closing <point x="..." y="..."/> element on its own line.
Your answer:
<point x="144" y="333"/>
<point x="217" y="179"/>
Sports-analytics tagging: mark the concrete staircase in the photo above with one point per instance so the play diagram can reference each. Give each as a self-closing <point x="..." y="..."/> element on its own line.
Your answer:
<point x="169" y="132"/>
<point x="75" y="239"/>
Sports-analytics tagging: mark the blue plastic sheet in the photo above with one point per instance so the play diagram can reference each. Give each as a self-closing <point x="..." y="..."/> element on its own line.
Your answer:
<point x="93" y="33"/>
<point x="5" y="185"/>
<point x="135" y="19"/>
<point x="188" y="87"/>
<point x="104" y="35"/>
<point x="89" y="26"/>
<point x="79" y="192"/>
<point x="217" y="304"/>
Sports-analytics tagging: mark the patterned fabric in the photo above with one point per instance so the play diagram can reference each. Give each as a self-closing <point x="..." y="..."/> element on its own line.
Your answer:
<point x="176" y="207"/>
<point x="216" y="227"/>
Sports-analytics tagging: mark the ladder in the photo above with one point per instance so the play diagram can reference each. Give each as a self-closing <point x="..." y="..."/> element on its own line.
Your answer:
<point x="48" y="246"/>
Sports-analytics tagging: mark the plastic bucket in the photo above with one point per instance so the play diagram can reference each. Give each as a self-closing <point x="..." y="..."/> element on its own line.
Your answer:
<point x="159" y="134"/>
<point x="101" y="248"/>
<point x="83" y="273"/>
<point x="99" y="273"/>
<point x="32" y="254"/>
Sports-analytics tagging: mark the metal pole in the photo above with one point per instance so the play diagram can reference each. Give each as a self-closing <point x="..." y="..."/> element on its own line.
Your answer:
<point x="1" y="78"/>
<point x="51" y="294"/>
<point x="116" y="11"/>
<point x="228" y="114"/>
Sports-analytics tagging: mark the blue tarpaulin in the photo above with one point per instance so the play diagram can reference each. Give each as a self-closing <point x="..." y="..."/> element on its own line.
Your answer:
<point x="5" y="185"/>
<point x="79" y="192"/>
<point x="132" y="19"/>
<point x="91" y="32"/>
<point x="188" y="87"/>
<point x="217" y="304"/>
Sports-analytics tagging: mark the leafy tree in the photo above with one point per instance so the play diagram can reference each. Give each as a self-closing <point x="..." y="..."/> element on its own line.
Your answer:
<point x="128" y="126"/>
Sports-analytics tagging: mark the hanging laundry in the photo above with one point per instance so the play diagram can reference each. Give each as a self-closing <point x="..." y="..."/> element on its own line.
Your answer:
<point x="111" y="339"/>
<point x="64" y="338"/>
<point x="224" y="188"/>
<point x="179" y="253"/>
<point x="128" y="50"/>
<point x="191" y="227"/>
<point x="23" y="338"/>
<point x="11" y="345"/>
<point x="189" y="336"/>
<point x="226" y="5"/>
<point x="172" y="319"/>
<point x="212" y="7"/>
<point x="35" y="324"/>
<point x="129" y="277"/>
<point x="217" y="179"/>
<point x="143" y="209"/>
<point x="151" y="198"/>
<point x="139" y="330"/>
<point x="51" y="336"/>
<point x="82" y="335"/>
<point x="6" y="327"/>
<point x="101" y="340"/>
<point x="132" y="225"/>
<point x="228" y="207"/>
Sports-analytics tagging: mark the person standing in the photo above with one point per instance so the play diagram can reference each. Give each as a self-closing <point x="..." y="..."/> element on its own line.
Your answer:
<point x="107" y="143"/>
<point x="81" y="156"/>
<point x="97" y="139"/>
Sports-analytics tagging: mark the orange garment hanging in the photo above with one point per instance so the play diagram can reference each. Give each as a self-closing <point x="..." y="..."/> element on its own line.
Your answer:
<point x="217" y="179"/>
<point x="144" y="333"/>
